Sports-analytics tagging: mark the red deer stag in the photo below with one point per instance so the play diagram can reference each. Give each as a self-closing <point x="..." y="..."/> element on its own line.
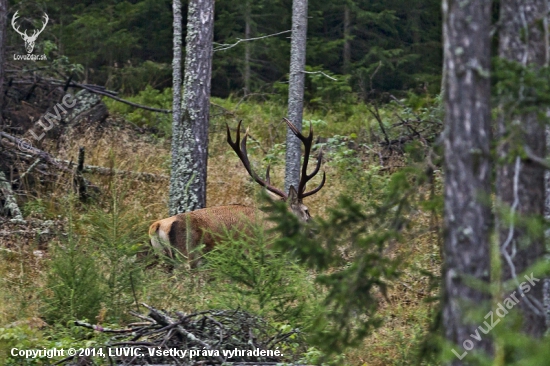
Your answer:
<point x="205" y="225"/>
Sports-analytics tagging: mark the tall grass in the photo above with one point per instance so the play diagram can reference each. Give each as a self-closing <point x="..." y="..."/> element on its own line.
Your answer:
<point x="114" y="227"/>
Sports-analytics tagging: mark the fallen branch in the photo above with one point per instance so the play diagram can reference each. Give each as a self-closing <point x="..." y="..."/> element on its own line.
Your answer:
<point x="203" y="338"/>
<point x="64" y="164"/>
<point x="30" y="168"/>
<point x="109" y="95"/>
<point x="376" y="115"/>
<point x="147" y="177"/>
<point x="26" y="147"/>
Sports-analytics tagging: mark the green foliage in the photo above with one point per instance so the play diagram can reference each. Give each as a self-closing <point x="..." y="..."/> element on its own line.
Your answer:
<point x="133" y="79"/>
<point x="323" y="90"/>
<point x="141" y="117"/>
<point x="339" y="153"/>
<point x="116" y="236"/>
<point x="520" y="89"/>
<point x="99" y="279"/>
<point x="63" y="66"/>
<point x="34" y="207"/>
<point x="313" y="356"/>
<point x="126" y="45"/>
<point x="351" y="305"/>
<point x="248" y="275"/>
<point x="24" y="337"/>
<point x="21" y="337"/>
<point x="73" y="281"/>
<point x="106" y="36"/>
<point x="348" y="250"/>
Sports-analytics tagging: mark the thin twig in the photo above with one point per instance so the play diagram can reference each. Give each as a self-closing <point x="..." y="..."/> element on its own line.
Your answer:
<point x="29" y="169"/>
<point x="226" y="46"/>
<point x="321" y="73"/>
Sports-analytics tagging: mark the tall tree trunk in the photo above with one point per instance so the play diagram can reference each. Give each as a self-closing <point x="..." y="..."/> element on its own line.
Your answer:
<point x="467" y="139"/>
<point x="296" y="91"/>
<point x="3" y="36"/>
<point x="347" y="38"/>
<point x="190" y="132"/>
<point x="247" y="46"/>
<point x="520" y="185"/>
<point x="176" y="66"/>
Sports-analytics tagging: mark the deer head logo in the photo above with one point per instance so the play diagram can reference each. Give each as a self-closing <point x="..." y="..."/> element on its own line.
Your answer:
<point x="29" y="40"/>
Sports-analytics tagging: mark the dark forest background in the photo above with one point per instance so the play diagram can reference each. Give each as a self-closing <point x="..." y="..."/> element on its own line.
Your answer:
<point x="371" y="47"/>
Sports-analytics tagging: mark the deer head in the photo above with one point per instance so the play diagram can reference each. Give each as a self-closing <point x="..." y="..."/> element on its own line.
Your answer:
<point x="29" y="40"/>
<point x="294" y="198"/>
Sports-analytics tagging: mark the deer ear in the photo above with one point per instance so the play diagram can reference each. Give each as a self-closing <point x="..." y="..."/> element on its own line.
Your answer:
<point x="292" y="195"/>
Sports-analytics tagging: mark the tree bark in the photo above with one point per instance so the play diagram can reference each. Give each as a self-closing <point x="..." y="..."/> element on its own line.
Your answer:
<point x="176" y="64"/>
<point x="546" y="287"/>
<point x="467" y="139"/>
<point x="190" y="132"/>
<point x="296" y="91"/>
<point x="520" y="185"/>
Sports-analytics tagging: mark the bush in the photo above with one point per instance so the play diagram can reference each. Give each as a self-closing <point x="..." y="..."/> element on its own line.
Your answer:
<point x="251" y="276"/>
<point x="100" y="279"/>
<point x="149" y="97"/>
<point x="73" y="282"/>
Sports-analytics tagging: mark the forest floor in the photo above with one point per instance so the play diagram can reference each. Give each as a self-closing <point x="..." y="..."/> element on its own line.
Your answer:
<point x="406" y="310"/>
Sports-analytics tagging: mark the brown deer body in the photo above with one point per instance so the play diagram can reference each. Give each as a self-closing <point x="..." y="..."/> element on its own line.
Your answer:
<point x="186" y="231"/>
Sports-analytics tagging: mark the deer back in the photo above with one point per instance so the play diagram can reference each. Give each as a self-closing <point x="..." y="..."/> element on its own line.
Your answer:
<point x="185" y="232"/>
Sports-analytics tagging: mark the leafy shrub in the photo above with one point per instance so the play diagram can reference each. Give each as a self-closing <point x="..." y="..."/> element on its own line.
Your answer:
<point x="347" y="249"/>
<point x="27" y="337"/>
<point x="149" y="97"/>
<point x="249" y="275"/>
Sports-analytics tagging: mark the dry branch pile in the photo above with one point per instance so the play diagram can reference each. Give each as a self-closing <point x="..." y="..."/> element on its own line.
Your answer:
<point x="38" y="108"/>
<point x="213" y="337"/>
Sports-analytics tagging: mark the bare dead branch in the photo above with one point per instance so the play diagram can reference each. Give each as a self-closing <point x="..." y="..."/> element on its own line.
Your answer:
<point x="226" y="46"/>
<point x="321" y="73"/>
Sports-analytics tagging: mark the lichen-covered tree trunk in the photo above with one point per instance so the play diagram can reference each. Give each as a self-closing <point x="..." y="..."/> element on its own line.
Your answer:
<point x="546" y="287"/>
<point x="467" y="139"/>
<point x="176" y="64"/>
<point x="520" y="184"/>
<point x="190" y="132"/>
<point x="296" y="91"/>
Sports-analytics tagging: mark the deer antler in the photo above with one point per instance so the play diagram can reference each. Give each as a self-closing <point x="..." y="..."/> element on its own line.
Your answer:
<point x="243" y="155"/>
<point x="13" y="19"/>
<point x="304" y="177"/>
<point x="37" y="32"/>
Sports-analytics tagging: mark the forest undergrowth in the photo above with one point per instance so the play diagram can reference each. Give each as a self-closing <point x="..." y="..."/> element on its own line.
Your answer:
<point x="92" y="269"/>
